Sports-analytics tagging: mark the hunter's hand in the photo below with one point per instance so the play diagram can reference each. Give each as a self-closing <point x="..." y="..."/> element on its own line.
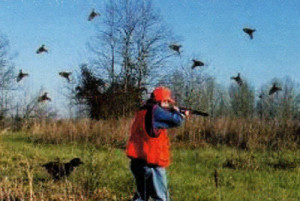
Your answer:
<point x="187" y="113"/>
<point x="184" y="113"/>
<point x="176" y="108"/>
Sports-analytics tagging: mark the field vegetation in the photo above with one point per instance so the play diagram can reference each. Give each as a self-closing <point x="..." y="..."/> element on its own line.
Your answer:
<point x="252" y="162"/>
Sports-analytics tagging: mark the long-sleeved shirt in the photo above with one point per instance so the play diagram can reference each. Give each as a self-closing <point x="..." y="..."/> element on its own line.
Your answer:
<point x="159" y="118"/>
<point x="165" y="118"/>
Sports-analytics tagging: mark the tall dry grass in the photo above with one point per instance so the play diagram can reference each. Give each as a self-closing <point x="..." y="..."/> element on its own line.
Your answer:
<point x="197" y="131"/>
<point x="109" y="132"/>
<point x="241" y="132"/>
<point x="19" y="190"/>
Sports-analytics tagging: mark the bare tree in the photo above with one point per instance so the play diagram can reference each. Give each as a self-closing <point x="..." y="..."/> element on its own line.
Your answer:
<point x="131" y="43"/>
<point x="28" y="107"/>
<point x="242" y="99"/>
<point x="195" y="89"/>
<point x="283" y="104"/>
<point x="288" y="107"/>
<point x="223" y="107"/>
<point x="6" y="76"/>
<point x="130" y="47"/>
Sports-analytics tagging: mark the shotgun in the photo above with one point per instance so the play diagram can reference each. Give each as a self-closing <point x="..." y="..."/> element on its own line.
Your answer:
<point x="195" y="112"/>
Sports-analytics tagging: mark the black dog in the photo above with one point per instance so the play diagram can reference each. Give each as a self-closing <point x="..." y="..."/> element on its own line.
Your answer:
<point x="59" y="170"/>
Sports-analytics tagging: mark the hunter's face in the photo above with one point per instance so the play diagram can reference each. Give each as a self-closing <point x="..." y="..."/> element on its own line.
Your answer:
<point x="165" y="103"/>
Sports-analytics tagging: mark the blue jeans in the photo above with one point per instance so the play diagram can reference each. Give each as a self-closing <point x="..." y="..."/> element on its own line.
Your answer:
<point x="151" y="181"/>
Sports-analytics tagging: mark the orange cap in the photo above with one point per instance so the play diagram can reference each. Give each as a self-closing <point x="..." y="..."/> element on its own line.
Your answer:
<point x="162" y="93"/>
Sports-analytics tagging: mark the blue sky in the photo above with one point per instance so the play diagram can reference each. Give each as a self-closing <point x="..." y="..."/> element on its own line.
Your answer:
<point x="210" y="30"/>
<point x="213" y="30"/>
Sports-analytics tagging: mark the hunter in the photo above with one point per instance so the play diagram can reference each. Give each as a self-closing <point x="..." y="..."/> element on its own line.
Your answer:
<point x="148" y="145"/>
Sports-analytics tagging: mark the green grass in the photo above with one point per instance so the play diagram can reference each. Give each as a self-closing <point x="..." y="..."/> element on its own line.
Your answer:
<point x="105" y="175"/>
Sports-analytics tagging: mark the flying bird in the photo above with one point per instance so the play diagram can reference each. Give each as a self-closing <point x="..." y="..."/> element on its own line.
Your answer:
<point x="175" y="47"/>
<point x="44" y="97"/>
<point x="65" y="75"/>
<point x="21" y="75"/>
<point x="78" y="88"/>
<point x="92" y="15"/>
<point x="238" y="79"/>
<point x="197" y="63"/>
<point x="274" y="89"/>
<point x="59" y="170"/>
<point x="41" y="49"/>
<point x="261" y="95"/>
<point x="249" y="32"/>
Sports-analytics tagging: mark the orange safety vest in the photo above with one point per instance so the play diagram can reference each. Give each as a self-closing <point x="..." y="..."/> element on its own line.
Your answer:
<point x="154" y="150"/>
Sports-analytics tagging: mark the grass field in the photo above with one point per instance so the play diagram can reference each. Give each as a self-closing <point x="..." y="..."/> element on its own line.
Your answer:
<point x="105" y="175"/>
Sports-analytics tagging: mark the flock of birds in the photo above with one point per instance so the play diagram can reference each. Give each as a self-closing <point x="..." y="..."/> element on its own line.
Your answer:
<point x="238" y="79"/>
<point x="174" y="47"/>
<point x="43" y="49"/>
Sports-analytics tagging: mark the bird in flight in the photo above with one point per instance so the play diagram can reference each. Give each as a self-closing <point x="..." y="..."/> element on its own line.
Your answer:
<point x="238" y="79"/>
<point x="197" y="63"/>
<point x="261" y="95"/>
<point x="44" y="97"/>
<point x="249" y="31"/>
<point x="65" y="75"/>
<point x="175" y="47"/>
<point x="92" y="15"/>
<point x="41" y="49"/>
<point x="21" y="75"/>
<point x="274" y="89"/>
<point x="59" y="170"/>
